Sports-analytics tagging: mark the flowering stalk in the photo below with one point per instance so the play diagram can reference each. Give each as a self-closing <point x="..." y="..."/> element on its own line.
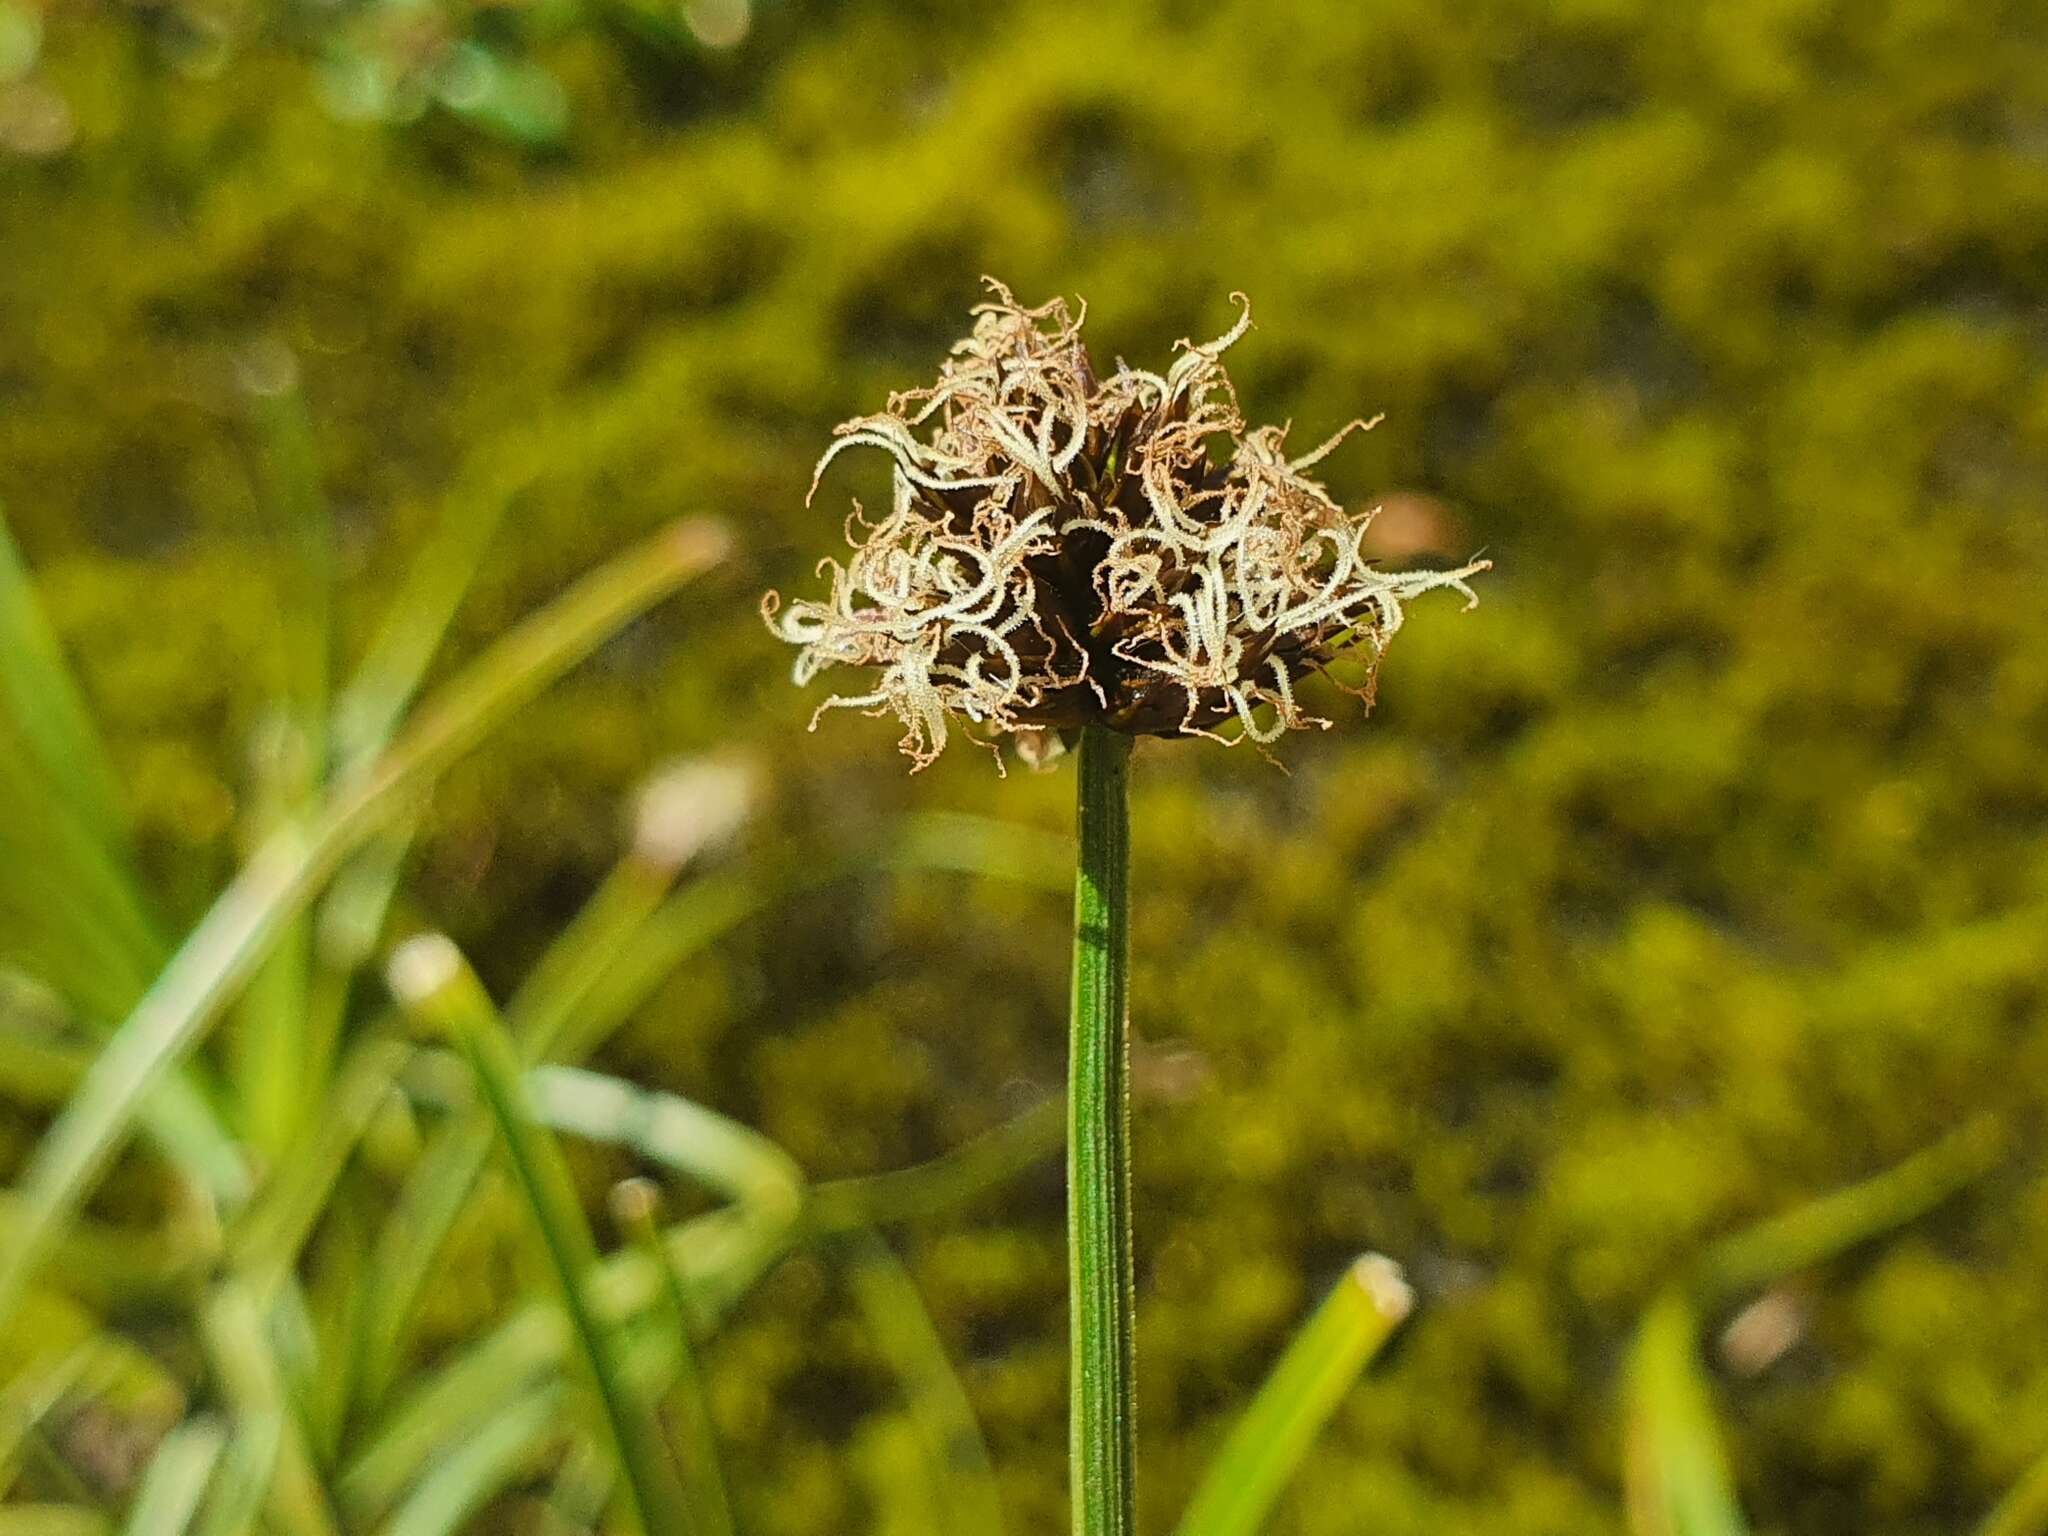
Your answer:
<point x="1079" y="557"/>
<point x="1098" y="1147"/>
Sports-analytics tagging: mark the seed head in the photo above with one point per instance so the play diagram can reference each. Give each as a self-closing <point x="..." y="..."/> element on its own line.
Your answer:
<point x="1064" y="550"/>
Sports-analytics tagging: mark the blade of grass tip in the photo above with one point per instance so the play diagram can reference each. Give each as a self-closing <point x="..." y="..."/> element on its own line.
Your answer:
<point x="289" y="490"/>
<point x="174" y="1482"/>
<point x="289" y="1495"/>
<point x="413" y="628"/>
<point x="1675" y="1469"/>
<point x="436" y="986"/>
<point x="1101" y="1446"/>
<point x="897" y="1320"/>
<point x="1839" y="1221"/>
<point x="904" y="1194"/>
<point x="283" y="876"/>
<point x="480" y="1466"/>
<point x="634" y="1204"/>
<point x="1318" y="1367"/>
<point x="2024" y="1510"/>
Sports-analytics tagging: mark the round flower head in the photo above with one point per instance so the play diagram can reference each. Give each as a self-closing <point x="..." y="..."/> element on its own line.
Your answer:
<point x="1064" y="550"/>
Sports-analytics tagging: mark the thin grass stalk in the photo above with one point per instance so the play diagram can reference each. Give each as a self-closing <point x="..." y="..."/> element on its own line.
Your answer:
<point x="436" y="984"/>
<point x="1100" y="1440"/>
<point x="963" y="1478"/>
<point x="1867" y="1209"/>
<point x="689" y="1404"/>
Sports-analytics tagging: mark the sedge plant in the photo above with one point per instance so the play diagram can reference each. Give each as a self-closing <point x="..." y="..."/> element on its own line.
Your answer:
<point x="1073" y="559"/>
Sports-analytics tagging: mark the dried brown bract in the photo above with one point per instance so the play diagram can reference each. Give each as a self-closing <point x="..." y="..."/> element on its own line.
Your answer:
<point x="1066" y="550"/>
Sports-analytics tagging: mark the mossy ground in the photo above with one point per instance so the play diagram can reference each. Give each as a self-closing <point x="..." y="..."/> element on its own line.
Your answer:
<point x="1703" y="868"/>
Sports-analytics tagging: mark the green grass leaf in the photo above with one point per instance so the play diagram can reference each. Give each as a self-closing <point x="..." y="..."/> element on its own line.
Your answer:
<point x="1837" y="1222"/>
<point x="1304" y="1388"/>
<point x="480" y="1465"/>
<point x="1675" y="1469"/>
<point x="175" y="1480"/>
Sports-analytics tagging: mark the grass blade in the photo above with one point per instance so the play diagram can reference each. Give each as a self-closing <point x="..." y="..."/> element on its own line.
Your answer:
<point x="1676" y="1470"/>
<point x="698" y="1143"/>
<point x="285" y="1486"/>
<point x="902" y="1328"/>
<point x="373" y="701"/>
<point x="1839" y="1221"/>
<point x="38" y="694"/>
<point x="512" y="1360"/>
<point x="435" y="984"/>
<point x="267" y="1046"/>
<point x="904" y="1194"/>
<point x="635" y="1203"/>
<point x="464" y="1480"/>
<point x="283" y="876"/>
<point x="176" y="1480"/>
<point x="265" y="1244"/>
<point x="1306" y="1384"/>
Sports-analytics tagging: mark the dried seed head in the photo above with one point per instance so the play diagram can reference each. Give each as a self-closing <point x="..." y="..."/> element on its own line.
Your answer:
<point x="1065" y="550"/>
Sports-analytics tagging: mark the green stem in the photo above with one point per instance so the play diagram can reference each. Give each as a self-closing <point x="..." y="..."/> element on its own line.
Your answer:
<point x="1098" y="1148"/>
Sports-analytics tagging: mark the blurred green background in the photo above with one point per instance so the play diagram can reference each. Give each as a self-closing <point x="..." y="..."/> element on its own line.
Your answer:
<point x="1701" y="870"/>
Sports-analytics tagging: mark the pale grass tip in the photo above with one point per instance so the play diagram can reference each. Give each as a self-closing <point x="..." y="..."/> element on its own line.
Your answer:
<point x="692" y="806"/>
<point x="1384" y="1285"/>
<point x="635" y="1202"/>
<point x="421" y="968"/>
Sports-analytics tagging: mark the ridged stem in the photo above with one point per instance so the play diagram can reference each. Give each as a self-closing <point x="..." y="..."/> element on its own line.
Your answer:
<point x="1098" y="1148"/>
